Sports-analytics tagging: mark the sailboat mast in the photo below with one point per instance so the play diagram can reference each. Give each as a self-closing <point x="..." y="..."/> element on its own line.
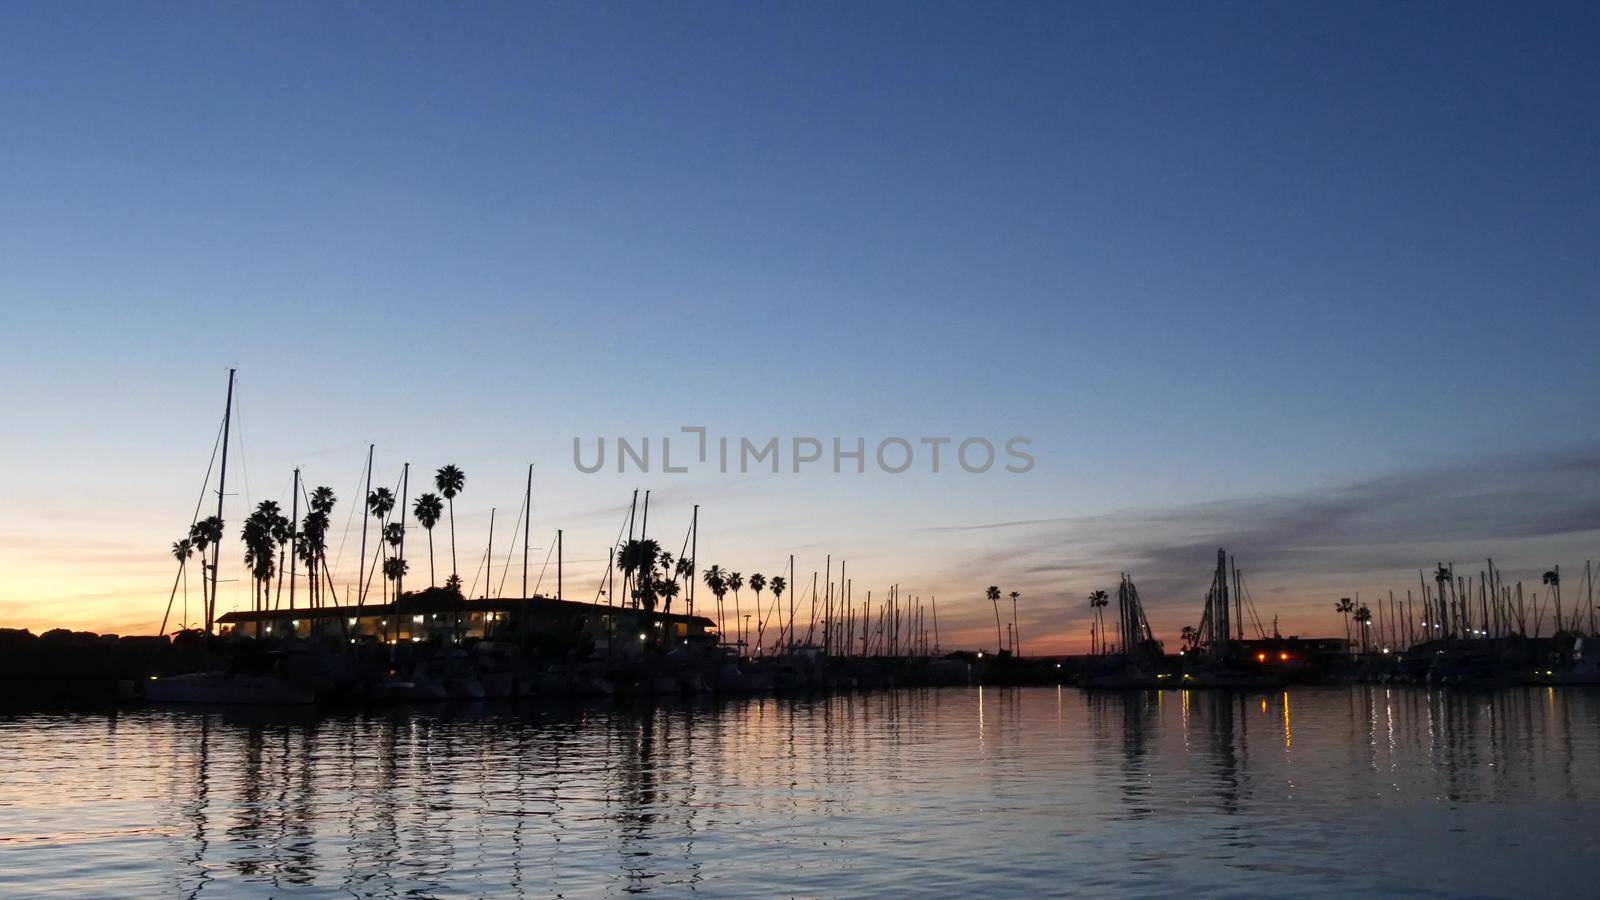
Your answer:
<point x="694" y="552"/>
<point x="294" y="532"/>
<point x="400" y="567"/>
<point x="627" y="576"/>
<point x="488" y="558"/>
<point x="527" y="528"/>
<point x="222" y="481"/>
<point x="644" y="521"/>
<point x="1238" y="598"/>
<point x="361" y="572"/>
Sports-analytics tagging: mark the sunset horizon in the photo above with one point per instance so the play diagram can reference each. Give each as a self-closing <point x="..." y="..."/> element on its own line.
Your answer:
<point x="799" y="449"/>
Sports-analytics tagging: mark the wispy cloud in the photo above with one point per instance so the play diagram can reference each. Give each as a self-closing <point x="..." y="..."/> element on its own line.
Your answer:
<point x="1522" y="511"/>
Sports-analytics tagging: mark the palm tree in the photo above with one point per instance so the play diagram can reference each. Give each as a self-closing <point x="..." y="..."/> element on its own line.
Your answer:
<point x="428" y="509"/>
<point x="1098" y="600"/>
<point x="450" y="481"/>
<point x="1553" y="579"/>
<point x="683" y="570"/>
<point x="271" y="530"/>
<point x="668" y="589"/>
<point x="993" y="593"/>
<point x="282" y="532"/>
<point x="638" y="562"/>
<point x="716" y="579"/>
<point x="312" y="544"/>
<point x="778" y="586"/>
<point x="1191" y="637"/>
<point x="181" y="551"/>
<point x="257" y="537"/>
<point x="203" y="534"/>
<point x="381" y="501"/>
<point x="1345" y="607"/>
<point x="394" y="534"/>
<point x="736" y="581"/>
<point x="311" y="531"/>
<point x="322" y="499"/>
<point x="394" y="569"/>
<point x="1362" y="617"/>
<point x="1016" y="633"/>
<point x="758" y="581"/>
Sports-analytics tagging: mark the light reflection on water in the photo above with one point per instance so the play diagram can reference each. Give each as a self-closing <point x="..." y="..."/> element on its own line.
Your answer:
<point x="1002" y="791"/>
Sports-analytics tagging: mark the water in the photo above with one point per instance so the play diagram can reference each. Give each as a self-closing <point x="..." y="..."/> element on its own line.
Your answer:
<point x="1024" y="791"/>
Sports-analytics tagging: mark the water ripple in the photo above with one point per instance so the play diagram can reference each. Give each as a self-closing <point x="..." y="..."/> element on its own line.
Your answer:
<point x="1036" y="791"/>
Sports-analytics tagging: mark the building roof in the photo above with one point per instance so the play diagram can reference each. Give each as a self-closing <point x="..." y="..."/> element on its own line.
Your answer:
<point x="413" y="604"/>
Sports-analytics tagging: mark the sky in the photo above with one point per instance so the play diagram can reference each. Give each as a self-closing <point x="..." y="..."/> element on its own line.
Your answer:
<point x="1318" y="285"/>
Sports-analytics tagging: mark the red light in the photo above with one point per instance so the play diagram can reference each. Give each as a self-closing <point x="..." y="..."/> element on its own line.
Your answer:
<point x="1261" y="657"/>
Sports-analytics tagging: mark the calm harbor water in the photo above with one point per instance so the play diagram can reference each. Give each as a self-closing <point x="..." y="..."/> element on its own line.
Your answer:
<point x="1009" y="791"/>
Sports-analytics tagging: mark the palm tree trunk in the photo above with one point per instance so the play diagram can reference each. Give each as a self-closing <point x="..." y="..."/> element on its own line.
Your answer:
<point x="432" y="579"/>
<point x="999" y="639"/>
<point x="455" y="568"/>
<point x="1016" y="633"/>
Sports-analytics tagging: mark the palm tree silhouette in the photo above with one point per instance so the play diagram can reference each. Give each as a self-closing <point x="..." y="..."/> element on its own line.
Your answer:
<point x="428" y="508"/>
<point x="204" y="534"/>
<point x="736" y="581"/>
<point x="778" y="586"/>
<point x="683" y="570"/>
<point x="258" y="546"/>
<point x="716" y="579"/>
<point x="322" y="499"/>
<point x="278" y="529"/>
<point x="668" y="589"/>
<point x="394" y="534"/>
<point x="1362" y="617"/>
<point x="638" y="562"/>
<point x="381" y="501"/>
<point x="1191" y="637"/>
<point x="758" y="581"/>
<point x="1097" y="602"/>
<point x="181" y="551"/>
<point x="1345" y="607"/>
<point x="313" y="542"/>
<point x="1016" y="633"/>
<point x="1553" y="579"/>
<point x="394" y="569"/>
<point x="994" y="597"/>
<point x="282" y="531"/>
<point x="451" y="481"/>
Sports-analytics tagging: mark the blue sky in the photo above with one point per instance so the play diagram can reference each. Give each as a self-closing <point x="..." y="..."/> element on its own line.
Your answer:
<point x="1197" y="253"/>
